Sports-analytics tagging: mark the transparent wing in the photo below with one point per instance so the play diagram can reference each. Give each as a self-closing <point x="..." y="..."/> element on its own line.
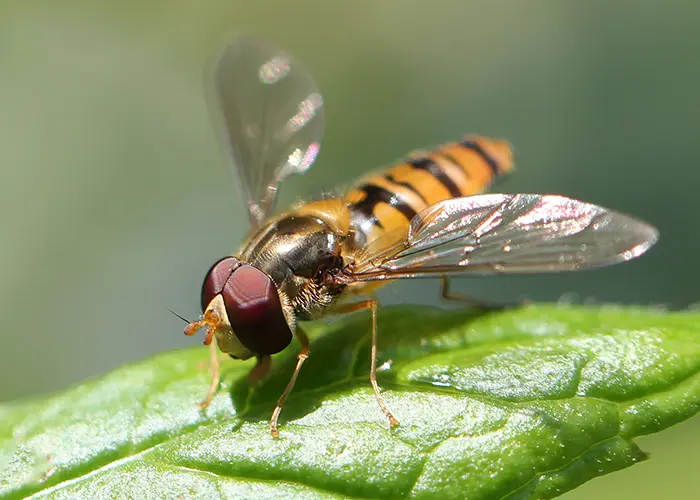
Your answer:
<point x="505" y="234"/>
<point x="269" y="114"/>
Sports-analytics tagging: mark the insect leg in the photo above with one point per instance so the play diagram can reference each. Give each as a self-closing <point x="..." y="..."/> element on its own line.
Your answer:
<point x="261" y="368"/>
<point x="371" y="304"/>
<point x="447" y="294"/>
<point x="301" y="357"/>
<point x="215" y="374"/>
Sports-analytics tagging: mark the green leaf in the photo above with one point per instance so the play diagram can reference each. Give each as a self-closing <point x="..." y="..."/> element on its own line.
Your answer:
<point x="521" y="404"/>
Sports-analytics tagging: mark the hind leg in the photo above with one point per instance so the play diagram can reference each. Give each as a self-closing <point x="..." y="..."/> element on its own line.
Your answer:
<point x="448" y="294"/>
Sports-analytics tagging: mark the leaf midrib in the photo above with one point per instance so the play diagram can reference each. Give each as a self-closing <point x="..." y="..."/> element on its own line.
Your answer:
<point x="240" y="418"/>
<point x="353" y="380"/>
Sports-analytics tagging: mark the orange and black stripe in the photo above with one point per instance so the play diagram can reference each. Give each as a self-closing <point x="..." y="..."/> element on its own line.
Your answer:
<point x="392" y="198"/>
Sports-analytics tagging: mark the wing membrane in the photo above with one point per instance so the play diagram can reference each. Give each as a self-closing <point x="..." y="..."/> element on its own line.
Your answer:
<point x="269" y="114"/>
<point x="507" y="234"/>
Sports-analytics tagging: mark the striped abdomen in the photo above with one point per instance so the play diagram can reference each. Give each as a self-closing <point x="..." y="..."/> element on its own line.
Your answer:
<point x="390" y="199"/>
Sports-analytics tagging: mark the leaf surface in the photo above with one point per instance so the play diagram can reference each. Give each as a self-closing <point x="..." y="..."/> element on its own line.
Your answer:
<point x="527" y="403"/>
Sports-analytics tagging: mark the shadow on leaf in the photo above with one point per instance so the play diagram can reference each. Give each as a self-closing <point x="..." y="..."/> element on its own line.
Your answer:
<point x="340" y="357"/>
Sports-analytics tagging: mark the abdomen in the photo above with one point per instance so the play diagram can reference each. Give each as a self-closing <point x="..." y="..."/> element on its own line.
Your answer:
<point x="390" y="199"/>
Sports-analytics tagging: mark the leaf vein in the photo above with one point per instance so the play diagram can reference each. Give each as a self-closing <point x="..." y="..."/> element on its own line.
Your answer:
<point x="242" y="478"/>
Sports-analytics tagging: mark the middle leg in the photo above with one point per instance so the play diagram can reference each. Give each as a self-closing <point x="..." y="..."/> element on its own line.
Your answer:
<point x="358" y="306"/>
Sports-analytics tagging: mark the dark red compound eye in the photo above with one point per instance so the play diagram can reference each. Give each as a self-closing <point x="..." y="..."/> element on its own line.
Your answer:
<point x="216" y="279"/>
<point x="252" y="305"/>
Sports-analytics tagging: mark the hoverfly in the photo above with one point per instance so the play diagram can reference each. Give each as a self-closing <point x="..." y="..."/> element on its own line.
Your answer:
<point x="421" y="218"/>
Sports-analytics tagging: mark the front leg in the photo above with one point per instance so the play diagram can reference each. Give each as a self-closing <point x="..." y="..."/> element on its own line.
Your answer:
<point x="215" y="374"/>
<point x="301" y="357"/>
<point x="261" y="368"/>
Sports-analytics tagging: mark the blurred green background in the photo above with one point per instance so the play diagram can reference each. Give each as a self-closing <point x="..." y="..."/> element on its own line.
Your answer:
<point x="115" y="199"/>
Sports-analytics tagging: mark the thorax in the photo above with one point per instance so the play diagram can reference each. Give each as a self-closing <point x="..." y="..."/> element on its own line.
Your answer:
<point x="295" y="250"/>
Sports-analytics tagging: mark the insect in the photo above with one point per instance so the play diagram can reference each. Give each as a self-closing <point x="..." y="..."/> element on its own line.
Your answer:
<point x="421" y="218"/>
